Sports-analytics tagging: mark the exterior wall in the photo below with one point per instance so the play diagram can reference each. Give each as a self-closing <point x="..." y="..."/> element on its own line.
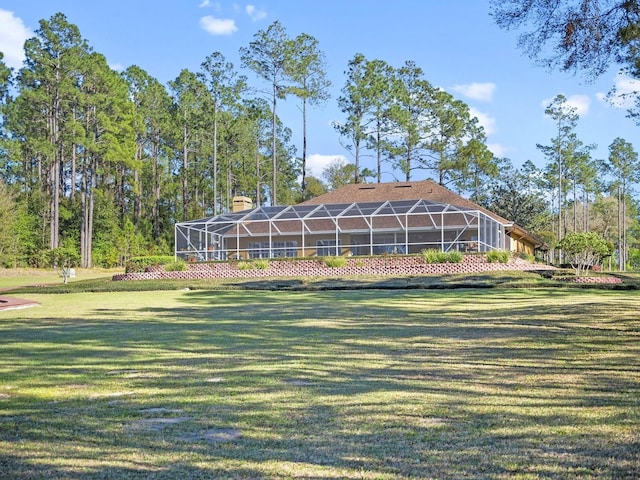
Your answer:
<point x="248" y="248"/>
<point x="356" y="244"/>
<point x="520" y="246"/>
<point x="378" y="243"/>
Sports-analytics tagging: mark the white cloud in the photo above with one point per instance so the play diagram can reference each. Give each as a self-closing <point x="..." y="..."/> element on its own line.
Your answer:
<point x="12" y="37"/>
<point x="485" y="120"/>
<point x="118" y="67"/>
<point x="218" y="26"/>
<point x="255" y="13"/>
<point x="625" y="93"/>
<point x="316" y="163"/>
<point x="498" y="150"/>
<point x="581" y="103"/>
<point x="204" y="3"/>
<point x="477" y="91"/>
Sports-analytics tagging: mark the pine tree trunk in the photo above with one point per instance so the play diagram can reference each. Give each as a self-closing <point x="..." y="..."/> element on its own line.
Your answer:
<point x="379" y="151"/>
<point x="72" y="193"/>
<point x="185" y="166"/>
<point x="274" y="186"/>
<point x="137" y="191"/>
<point x="89" y="240"/>
<point x="623" y="264"/>
<point x="304" y="148"/>
<point x="54" y="206"/>
<point x="215" y="160"/>
<point x="155" y="214"/>
<point x="84" y="215"/>
<point x="620" y="254"/>
<point x="575" y="208"/>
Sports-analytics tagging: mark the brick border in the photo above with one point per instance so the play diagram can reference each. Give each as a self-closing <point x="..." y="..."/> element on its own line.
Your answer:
<point x="383" y="266"/>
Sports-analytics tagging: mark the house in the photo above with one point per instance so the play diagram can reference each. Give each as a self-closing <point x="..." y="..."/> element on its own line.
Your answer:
<point x="357" y="219"/>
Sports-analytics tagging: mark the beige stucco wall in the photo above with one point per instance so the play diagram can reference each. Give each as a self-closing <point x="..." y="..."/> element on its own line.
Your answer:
<point x="520" y="246"/>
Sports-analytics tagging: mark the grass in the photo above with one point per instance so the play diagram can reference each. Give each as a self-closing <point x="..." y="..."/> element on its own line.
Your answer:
<point x="358" y="384"/>
<point x="19" y="277"/>
<point x="489" y="280"/>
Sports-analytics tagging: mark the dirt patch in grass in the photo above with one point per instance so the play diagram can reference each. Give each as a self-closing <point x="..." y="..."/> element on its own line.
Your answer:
<point x="301" y="383"/>
<point x="155" y="410"/>
<point x="156" y="424"/>
<point x="215" y="380"/>
<point x="110" y="395"/>
<point x="213" y="435"/>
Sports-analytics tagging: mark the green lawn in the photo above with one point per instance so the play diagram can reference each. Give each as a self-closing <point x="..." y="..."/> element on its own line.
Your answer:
<point x="373" y="384"/>
<point x="18" y="277"/>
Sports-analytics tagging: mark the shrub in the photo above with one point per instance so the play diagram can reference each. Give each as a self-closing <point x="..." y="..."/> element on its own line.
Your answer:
<point x="585" y="249"/>
<point x="431" y="255"/>
<point x="454" y="257"/>
<point x="527" y="256"/>
<point x="177" y="266"/>
<point x="261" y="263"/>
<point x="138" y="264"/>
<point x="335" y="262"/>
<point x="498" y="256"/>
<point x="245" y="265"/>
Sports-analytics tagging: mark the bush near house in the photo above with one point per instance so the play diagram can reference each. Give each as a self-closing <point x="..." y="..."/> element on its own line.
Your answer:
<point x="261" y="263"/>
<point x="335" y="262"/>
<point x="498" y="256"/>
<point x="527" y="256"/>
<point x="177" y="266"/>
<point x="437" y="256"/>
<point x="138" y="264"/>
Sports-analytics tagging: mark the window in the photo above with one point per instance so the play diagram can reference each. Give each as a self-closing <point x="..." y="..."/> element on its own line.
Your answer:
<point x="388" y="244"/>
<point x="278" y="249"/>
<point x="327" y="248"/>
<point x="258" y="249"/>
<point x="285" y="249"/>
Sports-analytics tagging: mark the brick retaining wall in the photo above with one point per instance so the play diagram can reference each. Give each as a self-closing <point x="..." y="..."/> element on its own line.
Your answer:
<point x="317" y="268"/>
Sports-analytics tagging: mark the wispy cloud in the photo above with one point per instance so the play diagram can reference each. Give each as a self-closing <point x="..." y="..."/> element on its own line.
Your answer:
<point x="485" y="120"/>
<point x="204" y="3"/>
<point x="498" y="149"/>
<point x="316" y="163"/>
<point x="624" y="93"/>
<point x="12" y="37"/>
<point x="255" y="13"/>
<point x="218" y="26"/>
<point x="476" y="91"/>
<point x="581" y="103"/>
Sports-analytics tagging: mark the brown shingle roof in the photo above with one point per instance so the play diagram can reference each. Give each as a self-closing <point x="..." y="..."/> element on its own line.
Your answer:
<point x="380" y="192"/>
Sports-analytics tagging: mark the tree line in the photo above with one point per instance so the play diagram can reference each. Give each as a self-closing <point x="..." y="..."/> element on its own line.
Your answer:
<point x="99" y="165"/>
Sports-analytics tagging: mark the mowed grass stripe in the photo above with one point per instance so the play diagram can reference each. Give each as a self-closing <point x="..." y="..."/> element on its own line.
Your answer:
<point x="343" y="384"/>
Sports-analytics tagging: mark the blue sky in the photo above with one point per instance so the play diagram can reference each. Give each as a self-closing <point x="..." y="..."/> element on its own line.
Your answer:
<point x="456" y="43"/>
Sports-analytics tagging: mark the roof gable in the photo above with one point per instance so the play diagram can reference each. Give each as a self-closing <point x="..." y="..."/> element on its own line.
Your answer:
<point x="380" y="192"/>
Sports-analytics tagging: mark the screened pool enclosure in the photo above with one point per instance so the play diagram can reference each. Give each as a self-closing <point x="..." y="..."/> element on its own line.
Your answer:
<point x="370" y="228"/>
